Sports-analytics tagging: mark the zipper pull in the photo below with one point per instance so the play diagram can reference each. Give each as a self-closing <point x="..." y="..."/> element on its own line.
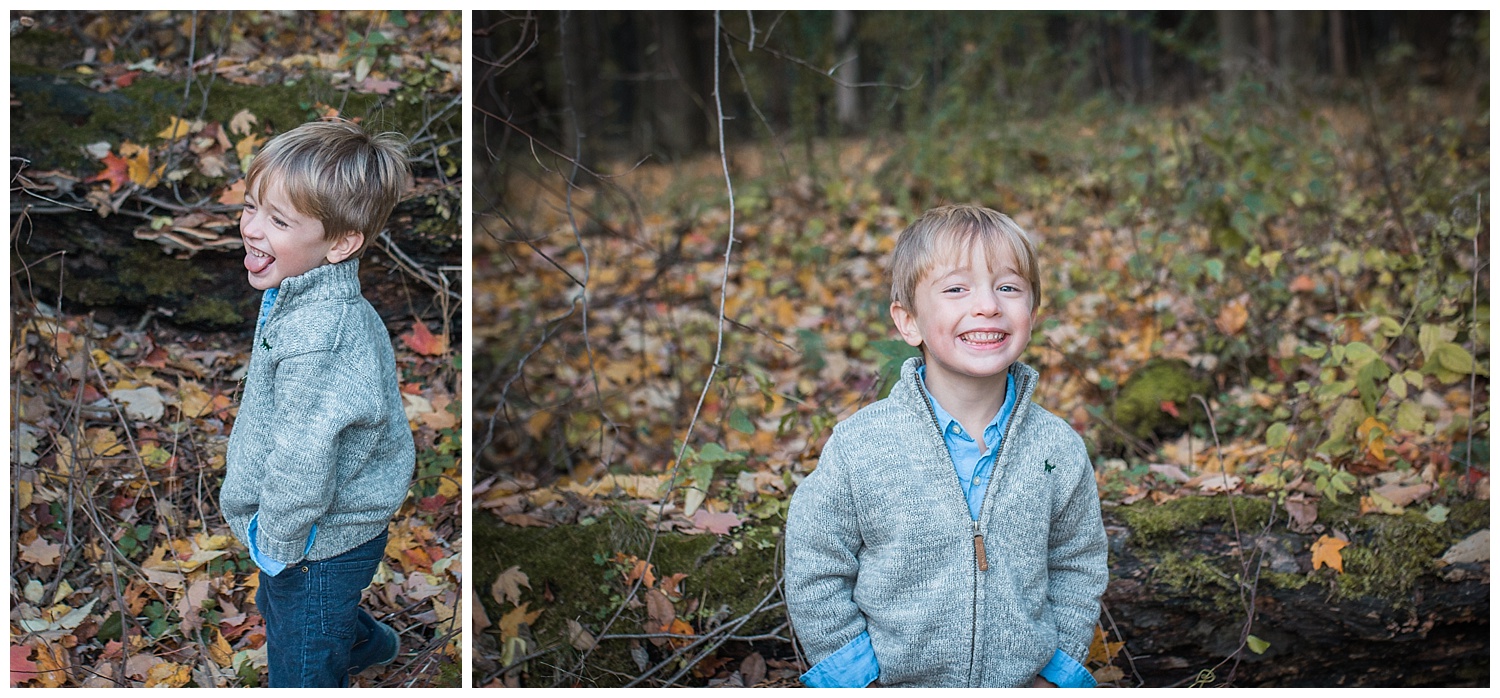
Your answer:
<point x="984" y="564"/>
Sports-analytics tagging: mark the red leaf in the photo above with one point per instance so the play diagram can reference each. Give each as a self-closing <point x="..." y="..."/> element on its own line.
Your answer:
<point x="22" y="669"/>
<point x="127" y="78"/>
<point x="422" y="341"/>
<point x="116" y="171"/>
<point x="1170" y="408"/>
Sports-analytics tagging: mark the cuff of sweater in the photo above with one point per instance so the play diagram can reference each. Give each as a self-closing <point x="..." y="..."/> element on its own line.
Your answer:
<point x="851" y="666"/>
<point x="1066" y="672"/>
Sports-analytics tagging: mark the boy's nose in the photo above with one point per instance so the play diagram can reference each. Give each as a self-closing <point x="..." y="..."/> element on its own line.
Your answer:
<point x="986" y="302"/>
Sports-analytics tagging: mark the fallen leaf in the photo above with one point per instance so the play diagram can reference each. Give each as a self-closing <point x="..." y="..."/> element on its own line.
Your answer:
<point x="717" y="523"/>
<point x="1234" y="315"/>
<point x="1475" y="548"/>
<point x="659" y="614"/>
<point x="138" y="160"/>
<point x="1326" y="552"/>
<point x="1257" y="645"/>
<point x="178" y="128"/>
<point x="41" y="551"/>
<point x="168" y="674"/>
<point x="579" y="637"/>
<point x="242" y="122"/>
<point x="753" y="669"/>
<point x="422" y="341"/>
<point x="510" y="623"/>
<point x="481" y="619"/>
<point x="22" y="669"/>
<point x="116" y="171"/>
<point x="380" y="87"/>
<point x="51" y="665"/>
<point x="507" y="587"/>
<point x="140" y="403"/>
<point x="234" y="194"/>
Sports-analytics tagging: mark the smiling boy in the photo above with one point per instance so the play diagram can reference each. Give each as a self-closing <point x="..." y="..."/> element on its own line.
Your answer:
<point x="320" y="455"/>
<point x="951" y="535"/>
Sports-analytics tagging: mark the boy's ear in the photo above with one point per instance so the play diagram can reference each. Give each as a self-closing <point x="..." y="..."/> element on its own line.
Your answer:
<point x="345" y="247"/>
<point x="906" y="324"/>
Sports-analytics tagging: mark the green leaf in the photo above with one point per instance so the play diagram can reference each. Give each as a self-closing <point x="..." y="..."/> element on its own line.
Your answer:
<point x="1277" y="435"/>
<point x="714" y="453"/>
<point x="1457" y="359"/>
<point x="1359" y="354"/>
<point x="1257" y="645"/>
<point x="1410" y="417"/>
<point x="1430" y="336"/>
<point x="740" y="422"/>
<point x="1437" y="514"/>
<point x="1215" y="269"/>
<point x="1313" y="352"/>
<point x="1397" y="384"/>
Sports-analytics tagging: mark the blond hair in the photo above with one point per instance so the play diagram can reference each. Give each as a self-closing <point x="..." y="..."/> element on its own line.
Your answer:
<point x="947" y="231"/>
<point x="336" y="172"/>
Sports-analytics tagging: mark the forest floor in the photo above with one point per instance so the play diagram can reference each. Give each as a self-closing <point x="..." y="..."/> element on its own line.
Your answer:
<point x="124" y="572"/>
<point x="1272" y="297"/>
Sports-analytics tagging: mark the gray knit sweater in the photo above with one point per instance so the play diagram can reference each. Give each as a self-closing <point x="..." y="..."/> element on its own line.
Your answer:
<point x="879" y="539"/>
<point x="321" y="436"/>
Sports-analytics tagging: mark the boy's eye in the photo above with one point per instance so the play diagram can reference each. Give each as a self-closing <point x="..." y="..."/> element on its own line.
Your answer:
<point x="279" y="223"/>
<point x="953" y="289"/>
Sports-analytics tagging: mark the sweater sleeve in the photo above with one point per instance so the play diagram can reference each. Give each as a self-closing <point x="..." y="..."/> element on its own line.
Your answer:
<point x="1077" y="560"/>
<point x="822" y="547"/>
<point x="313" y="408"/>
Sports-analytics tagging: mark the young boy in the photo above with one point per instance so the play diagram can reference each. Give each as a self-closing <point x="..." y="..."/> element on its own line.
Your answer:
<point x="321" y="454"/>
<point x="950" y="535"/>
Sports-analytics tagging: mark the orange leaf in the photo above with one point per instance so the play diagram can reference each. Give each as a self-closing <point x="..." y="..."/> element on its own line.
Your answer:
<point x="420" y="340"/>
<point x="1326" y="552"/>
<point x="1233" y="316"/>
<point x="234" y="194"/>
<point x="510" y="623"/>
<point x="138" y="160"/>
<point x="116" y="171"/>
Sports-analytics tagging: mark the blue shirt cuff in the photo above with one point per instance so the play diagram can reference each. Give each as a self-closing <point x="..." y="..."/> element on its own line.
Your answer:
<point x="851" y="666"/>
<point x="273" y="567"/>
<point x="1066" y="672"/>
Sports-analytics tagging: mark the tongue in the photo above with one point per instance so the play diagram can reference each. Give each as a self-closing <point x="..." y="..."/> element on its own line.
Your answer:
<point x="256" y="264"/>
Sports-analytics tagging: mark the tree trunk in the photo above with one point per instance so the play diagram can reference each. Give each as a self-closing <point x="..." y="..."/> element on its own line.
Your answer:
<point x="678" y="120"/>
<point x="846" y="96"/>
<point x="1234" y="43"/>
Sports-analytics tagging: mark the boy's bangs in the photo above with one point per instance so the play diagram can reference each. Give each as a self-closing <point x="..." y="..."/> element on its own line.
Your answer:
<point x="993" y="243"/>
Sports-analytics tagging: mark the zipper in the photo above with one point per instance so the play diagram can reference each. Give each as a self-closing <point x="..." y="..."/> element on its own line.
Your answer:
<point x="980" y="558"/>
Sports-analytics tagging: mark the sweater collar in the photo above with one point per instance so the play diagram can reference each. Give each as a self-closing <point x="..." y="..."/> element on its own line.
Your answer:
<point x="326" y="282"/>
<point x="911" y="394"/>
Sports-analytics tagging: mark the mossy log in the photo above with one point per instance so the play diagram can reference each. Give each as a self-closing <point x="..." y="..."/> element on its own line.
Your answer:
<point x="1395" y="616"/>
<point x="94" y="264"/>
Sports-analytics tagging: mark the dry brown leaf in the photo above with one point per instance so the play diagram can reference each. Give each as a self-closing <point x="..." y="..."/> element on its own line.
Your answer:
<point x="507" y="588"/>
<point x="510" y="623"/>
<point x="41" y="551"/>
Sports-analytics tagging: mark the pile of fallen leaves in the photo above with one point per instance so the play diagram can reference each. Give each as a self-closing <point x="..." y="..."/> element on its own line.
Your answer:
<point x="185" y="178"/>
<point x="125" y="572"/>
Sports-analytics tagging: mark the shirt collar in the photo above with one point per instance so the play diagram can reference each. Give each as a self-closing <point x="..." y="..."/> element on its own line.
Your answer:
<point x="947" y="421"/>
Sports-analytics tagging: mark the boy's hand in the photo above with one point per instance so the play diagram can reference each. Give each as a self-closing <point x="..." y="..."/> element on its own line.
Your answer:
<point x="1040" y="682"/>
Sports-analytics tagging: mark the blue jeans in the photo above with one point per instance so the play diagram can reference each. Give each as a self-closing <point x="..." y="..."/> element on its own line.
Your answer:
<point x="315" y="630"/>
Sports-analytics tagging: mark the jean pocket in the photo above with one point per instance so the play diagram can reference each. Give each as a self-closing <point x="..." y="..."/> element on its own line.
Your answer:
<point x="340" y="581"/>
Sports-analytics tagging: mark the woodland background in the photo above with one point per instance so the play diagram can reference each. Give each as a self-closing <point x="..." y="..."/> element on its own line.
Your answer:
<point x="1264" y="240"/>
<point x="131" y="323"/>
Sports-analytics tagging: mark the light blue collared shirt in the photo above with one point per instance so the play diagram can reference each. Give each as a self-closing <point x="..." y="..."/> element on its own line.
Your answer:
<point x="973" y="467"/>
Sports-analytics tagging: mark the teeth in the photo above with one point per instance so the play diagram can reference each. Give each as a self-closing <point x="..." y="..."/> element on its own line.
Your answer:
<point x="984" y="336"/>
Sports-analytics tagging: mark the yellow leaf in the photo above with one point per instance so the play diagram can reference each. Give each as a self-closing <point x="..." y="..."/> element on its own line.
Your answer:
<point x="193" y="400"/>
<point x="51" y="665"/>
<point x="138" y="165"/>
<point x="448" y="488"/>
<point x="1326" y="552"/>
<point x="510" y="623"/>
<point x="1101" y="650"/>
<point x="178" y="129"/>
<point x="247" y="145"/>
<point x="169" y="675"/>
<point x="220" y="651"/>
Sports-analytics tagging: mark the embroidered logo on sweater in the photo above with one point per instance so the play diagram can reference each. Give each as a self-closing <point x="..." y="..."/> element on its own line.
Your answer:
<point x="267" y="347"/>
<point x="1047" y="465"/>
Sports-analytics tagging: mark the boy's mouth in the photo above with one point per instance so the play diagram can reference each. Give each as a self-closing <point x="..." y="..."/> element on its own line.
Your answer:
<point x="982" y="339"/>
<point x="257" y="261"/>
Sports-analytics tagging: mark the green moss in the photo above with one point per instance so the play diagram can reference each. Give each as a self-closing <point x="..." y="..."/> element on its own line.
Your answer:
<point x="215" y="312"/>
<point x="157" y="274"/>
<point x="572" y="565"/>
<point x="1212" y="580"/>
<point x="1388" y="554"/>
<point x="1138" y="409"/>
<point x="1150" y="522"/>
